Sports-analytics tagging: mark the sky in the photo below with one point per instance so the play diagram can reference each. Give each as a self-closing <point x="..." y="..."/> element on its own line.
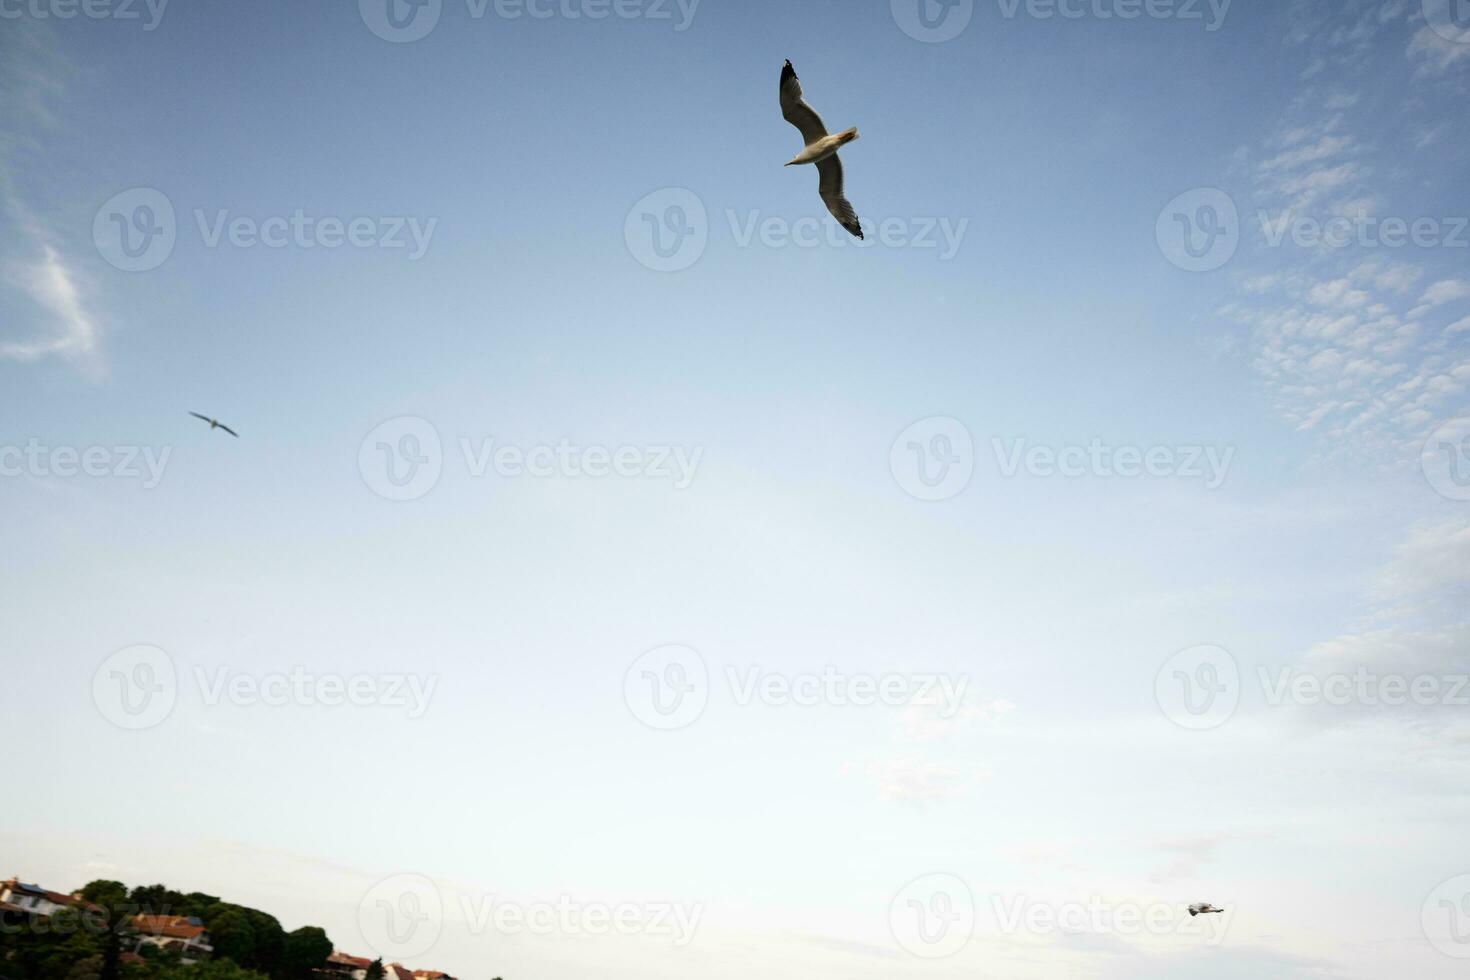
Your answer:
<point x="609" y="538"/>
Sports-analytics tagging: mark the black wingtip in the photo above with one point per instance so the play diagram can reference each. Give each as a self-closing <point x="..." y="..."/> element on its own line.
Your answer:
<point x="788" y="72"/>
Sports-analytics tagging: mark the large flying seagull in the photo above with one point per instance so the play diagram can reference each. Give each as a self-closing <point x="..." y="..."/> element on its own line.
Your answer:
<point x="215" y="424"/>
<point x="821" y="149"/>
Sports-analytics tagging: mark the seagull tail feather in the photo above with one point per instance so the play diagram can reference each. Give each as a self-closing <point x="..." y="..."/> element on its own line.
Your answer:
<point x="847" y="136"/>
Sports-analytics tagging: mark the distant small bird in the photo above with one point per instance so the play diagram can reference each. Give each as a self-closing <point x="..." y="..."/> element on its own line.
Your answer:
<point x="1203" y="908"/>
<point x="821" y="149"/>
<point x="215" y="424"/>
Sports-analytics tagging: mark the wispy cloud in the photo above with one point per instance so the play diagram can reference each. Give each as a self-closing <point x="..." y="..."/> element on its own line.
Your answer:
<point x="52" y="316"/>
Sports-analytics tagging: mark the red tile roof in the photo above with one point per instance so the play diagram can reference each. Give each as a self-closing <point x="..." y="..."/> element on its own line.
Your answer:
<point x="171" y="926"/>
<point x="346" y="959"/>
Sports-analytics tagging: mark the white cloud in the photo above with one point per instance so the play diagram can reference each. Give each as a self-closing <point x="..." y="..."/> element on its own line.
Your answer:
<point x="912" y="779"/>
<point x="1445" y="291"/>
<point x="51" y="283"/>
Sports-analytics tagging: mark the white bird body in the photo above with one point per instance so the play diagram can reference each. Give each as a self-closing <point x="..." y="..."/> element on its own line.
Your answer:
<point x="823" y="148"/>
<point x="1204" y="908"/>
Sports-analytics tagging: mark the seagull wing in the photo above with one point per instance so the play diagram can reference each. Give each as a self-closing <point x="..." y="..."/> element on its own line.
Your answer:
<point x="230" y="431"/>
<point x="204" y="418"/>
<point x="831" y="191"/>
<point x="795" y="109"/>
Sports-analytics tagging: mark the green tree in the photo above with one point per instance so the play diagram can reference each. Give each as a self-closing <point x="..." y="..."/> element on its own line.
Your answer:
<point x="375" y="970"/>
<point x="303" y="951"/>
<point x="108" y="894"/>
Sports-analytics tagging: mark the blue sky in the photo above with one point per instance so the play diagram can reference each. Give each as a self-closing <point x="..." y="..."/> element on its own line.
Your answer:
<point x="1304" y="405"/>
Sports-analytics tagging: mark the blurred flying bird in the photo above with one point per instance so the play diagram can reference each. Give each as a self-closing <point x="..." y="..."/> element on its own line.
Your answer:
<point x="215" y="424"/>
<point x="1203" y="908"/>
<point x="821" y="149"/>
